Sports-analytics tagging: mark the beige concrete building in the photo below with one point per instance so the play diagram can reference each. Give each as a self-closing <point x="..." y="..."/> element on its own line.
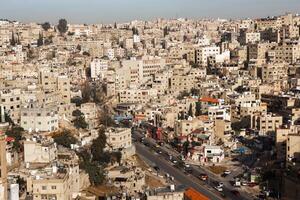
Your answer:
<point x="39" y="117"/>
<point x="38" y="150"/>
<point x="292" y="146"/>
<point x="118" y="138"/>
<point x="10" y="99"/>
<point x="266" y="123"/>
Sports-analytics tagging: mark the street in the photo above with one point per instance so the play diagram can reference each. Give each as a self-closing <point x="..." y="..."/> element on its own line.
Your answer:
<point x="162" y="161"/>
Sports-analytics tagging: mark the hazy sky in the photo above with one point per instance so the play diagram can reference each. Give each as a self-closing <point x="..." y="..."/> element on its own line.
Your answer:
<point x="108" y="11"/>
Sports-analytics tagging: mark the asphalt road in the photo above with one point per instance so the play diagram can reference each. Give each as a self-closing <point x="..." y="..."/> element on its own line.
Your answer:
<point x="190" y="180"/>
<point x="179" y="176"/>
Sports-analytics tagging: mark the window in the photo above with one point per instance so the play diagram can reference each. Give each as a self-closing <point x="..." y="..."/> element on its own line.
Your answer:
<point x="53" y="187"/>
<point x="44" y="187"/>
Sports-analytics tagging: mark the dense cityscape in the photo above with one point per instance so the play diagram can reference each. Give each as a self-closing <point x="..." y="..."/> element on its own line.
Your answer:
<point x="166" y="109"/>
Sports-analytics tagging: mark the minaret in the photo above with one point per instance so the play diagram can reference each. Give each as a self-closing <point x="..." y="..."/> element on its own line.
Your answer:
<point x="3" y="167"/>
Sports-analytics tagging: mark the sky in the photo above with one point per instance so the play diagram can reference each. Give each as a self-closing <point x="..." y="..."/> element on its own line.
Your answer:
<point x="109" y="11"/>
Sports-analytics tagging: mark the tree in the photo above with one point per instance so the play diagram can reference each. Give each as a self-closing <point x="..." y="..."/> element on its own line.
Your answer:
<point x="46" y="26"/>
<point x="65" y="139"/>
<point x="244" y="123"/>
<point x="190" y="112"/>
<point x="40" y="40"/>
<point x="79" y="122"/>
<point x="16" y="132"/>
<point x="77" y="113"/>
<point x="62" y="26"/>
<point x="166" y="31"/>
<point x="198" y="109"/>
<point x="116" y="156"/>
<point x="78" y="47"/>
<point x="77" y="100"/>
<point x="13" y="40"/>
<point x="95" y="172"/>
<point x="98" y="145"/>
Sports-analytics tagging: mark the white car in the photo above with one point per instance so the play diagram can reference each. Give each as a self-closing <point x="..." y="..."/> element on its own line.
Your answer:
<point x="218" y="188"/>
<point x="221" y="184"/>
<point x="227" y="172"/>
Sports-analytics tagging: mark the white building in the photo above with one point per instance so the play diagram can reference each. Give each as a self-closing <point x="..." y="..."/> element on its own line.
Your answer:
<point x="204" y="52"/>
<point x="37" y="150"/>
<point x="213" y="154"/>
<point x="35" y="117"/>
<point x="98" y="68"/>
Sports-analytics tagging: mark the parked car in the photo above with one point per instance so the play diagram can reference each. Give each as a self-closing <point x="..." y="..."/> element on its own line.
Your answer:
<point x="220" y="189"/>
<point x="203" y="177"/>
<point x="227" y="172"/>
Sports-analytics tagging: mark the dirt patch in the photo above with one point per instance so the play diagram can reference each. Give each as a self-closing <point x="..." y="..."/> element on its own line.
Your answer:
<point x="102" y="190"/>
<point x="217" y="169"/>
<point x="140" y="163"/>
<point x="153" y="182"/>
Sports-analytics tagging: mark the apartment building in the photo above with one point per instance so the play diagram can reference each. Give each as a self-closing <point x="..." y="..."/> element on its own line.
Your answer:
<point x="39" y="150"/>
<point x="39" y="117"/>
<point x="118" y="138"/>
<point x="137" y="95"/>
<point x="10" y="99"/>
<point x="247" y="37"/>
<point x="98" y="68"/>
<point x="293" y="147"/>
<point x="266" y="123"/>
<point x="274" y="72"/>
<point x="288" y="52"/>
<point x="203" y="53"/>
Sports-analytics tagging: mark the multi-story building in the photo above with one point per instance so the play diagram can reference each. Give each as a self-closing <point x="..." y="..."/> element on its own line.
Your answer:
<point x="98" y="68"/>
<point x="39" y="150"/>
<point x="10" y="99"/>
<point x="118" y="138"/>
<point x="266" y="123"/>
<point x="203" y="53"/>
<point x="39" y="117"/>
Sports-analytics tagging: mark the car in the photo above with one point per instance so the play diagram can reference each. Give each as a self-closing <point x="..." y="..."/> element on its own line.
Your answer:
<point x="244" y="183"/>
<point x="235" y="192"/>
<point x="220" y="184"/>
<point x="220" y="189"/>
<point x="187" y="165"/>
<point x="175" y="161"/>
<point x="203" y="177"/>
<point x="159" y="151"/>
<point x="224" y="175"/>
<point x="227" y="172"/>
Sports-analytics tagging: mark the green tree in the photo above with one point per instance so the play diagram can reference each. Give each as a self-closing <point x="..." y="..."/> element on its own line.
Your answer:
<point x="65" y="138"/>
<point x="190" y="112"/>
<point x="198" y="109"/>
<point x="166" y="31"/>
<point x="77" y="113"/>
<point x="62" y="26"/>
<point x="116" y="156"/>
<point x="13" y="41"/>
<point x="16" y="132"/>
<point x="46" y="26"/>
<point x="96" y="174"/>
<point x="40" y="40"/>
<point x="98" y="145"/>
<point x="79" y="122"/>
